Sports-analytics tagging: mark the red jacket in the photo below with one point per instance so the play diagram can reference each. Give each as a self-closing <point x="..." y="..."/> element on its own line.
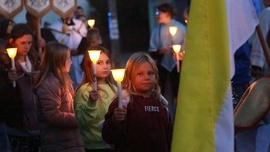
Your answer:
<point x="147" y="127"/>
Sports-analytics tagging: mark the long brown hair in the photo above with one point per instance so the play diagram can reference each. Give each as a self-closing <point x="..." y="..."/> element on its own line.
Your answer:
<point x="87" y="66"/>
<point x="54" y="61"/>
<point x="132" y="65"/>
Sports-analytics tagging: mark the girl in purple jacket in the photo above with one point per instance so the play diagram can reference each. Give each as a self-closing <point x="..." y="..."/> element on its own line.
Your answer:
<point x="142" y="124"/>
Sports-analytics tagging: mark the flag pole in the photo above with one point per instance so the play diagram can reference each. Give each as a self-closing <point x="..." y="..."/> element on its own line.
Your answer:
<point x="263" y="43"/>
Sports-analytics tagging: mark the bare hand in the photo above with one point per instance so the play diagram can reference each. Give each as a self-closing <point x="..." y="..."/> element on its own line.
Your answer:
<point x="180" y="55"/>
<point x="119" y="114"/>
<point x="12" y="75"/>
<point x="93" y="96"/>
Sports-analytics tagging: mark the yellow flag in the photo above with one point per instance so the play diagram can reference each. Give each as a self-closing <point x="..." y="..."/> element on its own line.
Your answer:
<point x="204" y="113"/>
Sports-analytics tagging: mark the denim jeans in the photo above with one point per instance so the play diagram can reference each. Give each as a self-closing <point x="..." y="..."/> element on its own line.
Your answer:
<point x="4" y="141"/>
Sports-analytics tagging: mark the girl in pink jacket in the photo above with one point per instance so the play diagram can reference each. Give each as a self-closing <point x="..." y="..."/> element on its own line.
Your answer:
<point x="59" y="131"/>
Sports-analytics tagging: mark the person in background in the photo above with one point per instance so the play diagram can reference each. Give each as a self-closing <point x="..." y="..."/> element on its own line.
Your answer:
<point x="46" y="34"/>
<point x="71" y="31"/>
<point x="92" y="38"/>
<point x="160" y="49"/>
<point x="58" y="128"/>
<point x="241" y="79"/>
<point x="83" y="19"/>
<point x="254" y="135"/>
<point x="6" y="25"/>
<point x="20" y="102"/>
<point x="143" y="123"/>
<point x="259" y="67"/>
<point x="79" y="12"/>
<point x="4" y="141"/>
<point x="186" y="14"/>
<point x="92" y="105"/>
<point x="80" y="15"/>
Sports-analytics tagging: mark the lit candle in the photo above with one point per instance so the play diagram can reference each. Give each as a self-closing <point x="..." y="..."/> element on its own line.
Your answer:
<point x="12" y="53"/>
<point x="118" y="75"/>
<point x="91" y="23"/>
<point x="173" y="30"/>
<point x="94" y="56"/>
<point x="176" y="49"/>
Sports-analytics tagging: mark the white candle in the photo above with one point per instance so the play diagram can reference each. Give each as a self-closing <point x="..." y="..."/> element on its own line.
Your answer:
<point x="119" y="87"/>
<point x="177" y="63"/>
<point x="118" y="75"/>
<point x="94" y="56"/>
<point x="12" y="63"/>
<point x="176" y="49"/>
<point x="95" y="75"/>
<point x="13" y="67"/>
<point x="12" y="53"/>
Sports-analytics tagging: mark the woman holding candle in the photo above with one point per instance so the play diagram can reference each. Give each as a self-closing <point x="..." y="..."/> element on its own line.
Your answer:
<point x="160" y="49"/>
<point x="58" y="128"/>
<point x="91" y="105"/>
<point x="20" y="102"/>
<point x="143" y="123"/>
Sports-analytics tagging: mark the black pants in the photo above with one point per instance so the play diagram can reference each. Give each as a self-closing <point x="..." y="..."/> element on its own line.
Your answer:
<point x="173" y="77"/>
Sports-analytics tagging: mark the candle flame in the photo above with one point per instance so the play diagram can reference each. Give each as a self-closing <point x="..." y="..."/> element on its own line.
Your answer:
<point x="12" y="52"/>
<point x="176" y="48"/>
<point x="91" y="22"/>
<point x="173" y="30"/>
<point x="94" y="55"/>
<point x="118" y="74"/>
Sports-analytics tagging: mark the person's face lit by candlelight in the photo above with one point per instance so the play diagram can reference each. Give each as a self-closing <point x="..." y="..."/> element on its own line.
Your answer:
<point x="144" y="78"/>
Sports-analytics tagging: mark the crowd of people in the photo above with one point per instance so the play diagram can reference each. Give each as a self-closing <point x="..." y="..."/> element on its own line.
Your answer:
<point x="253" y="86"/>
<point x="54" y="105"/>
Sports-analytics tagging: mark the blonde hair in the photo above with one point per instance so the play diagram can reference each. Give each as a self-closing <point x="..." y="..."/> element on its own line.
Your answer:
<point x="87" y="66"/>
<point x="53" y="61"/>
<point x="132" y="66"/>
